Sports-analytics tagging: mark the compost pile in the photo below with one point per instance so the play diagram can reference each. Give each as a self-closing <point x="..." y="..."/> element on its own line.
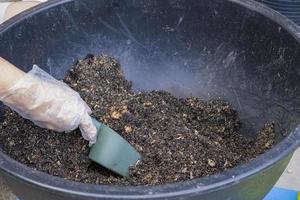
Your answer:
<point x="179" y="139"/>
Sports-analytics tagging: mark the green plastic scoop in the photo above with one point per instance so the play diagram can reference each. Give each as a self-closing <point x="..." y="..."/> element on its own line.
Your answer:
<point x="112" y="151"/>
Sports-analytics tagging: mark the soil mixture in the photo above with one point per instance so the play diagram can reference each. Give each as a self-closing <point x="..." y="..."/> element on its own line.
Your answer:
<point x="189" y="137"/>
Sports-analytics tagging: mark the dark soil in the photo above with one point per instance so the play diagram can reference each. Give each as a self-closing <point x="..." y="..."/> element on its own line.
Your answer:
<point x="179" y="139"/>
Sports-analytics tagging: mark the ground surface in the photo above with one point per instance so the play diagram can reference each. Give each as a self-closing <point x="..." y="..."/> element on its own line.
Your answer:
<point x="290" y="178"/>
<point x="5" y="193"/>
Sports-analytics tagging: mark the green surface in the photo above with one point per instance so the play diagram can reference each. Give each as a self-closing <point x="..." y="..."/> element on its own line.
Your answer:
<point x="112" y="151"/>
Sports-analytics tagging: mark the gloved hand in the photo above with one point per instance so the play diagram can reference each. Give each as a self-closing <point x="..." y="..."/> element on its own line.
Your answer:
<point x="49" y="103"/>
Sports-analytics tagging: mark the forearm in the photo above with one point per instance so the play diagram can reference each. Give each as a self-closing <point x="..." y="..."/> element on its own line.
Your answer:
<point x="9" y="75"/>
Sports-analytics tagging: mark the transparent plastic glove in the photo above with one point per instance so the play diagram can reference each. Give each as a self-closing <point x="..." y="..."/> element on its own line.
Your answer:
<point x="50" y="104"/>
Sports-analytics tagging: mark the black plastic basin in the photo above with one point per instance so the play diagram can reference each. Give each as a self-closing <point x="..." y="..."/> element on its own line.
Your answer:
<point x="238" y="50"/>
